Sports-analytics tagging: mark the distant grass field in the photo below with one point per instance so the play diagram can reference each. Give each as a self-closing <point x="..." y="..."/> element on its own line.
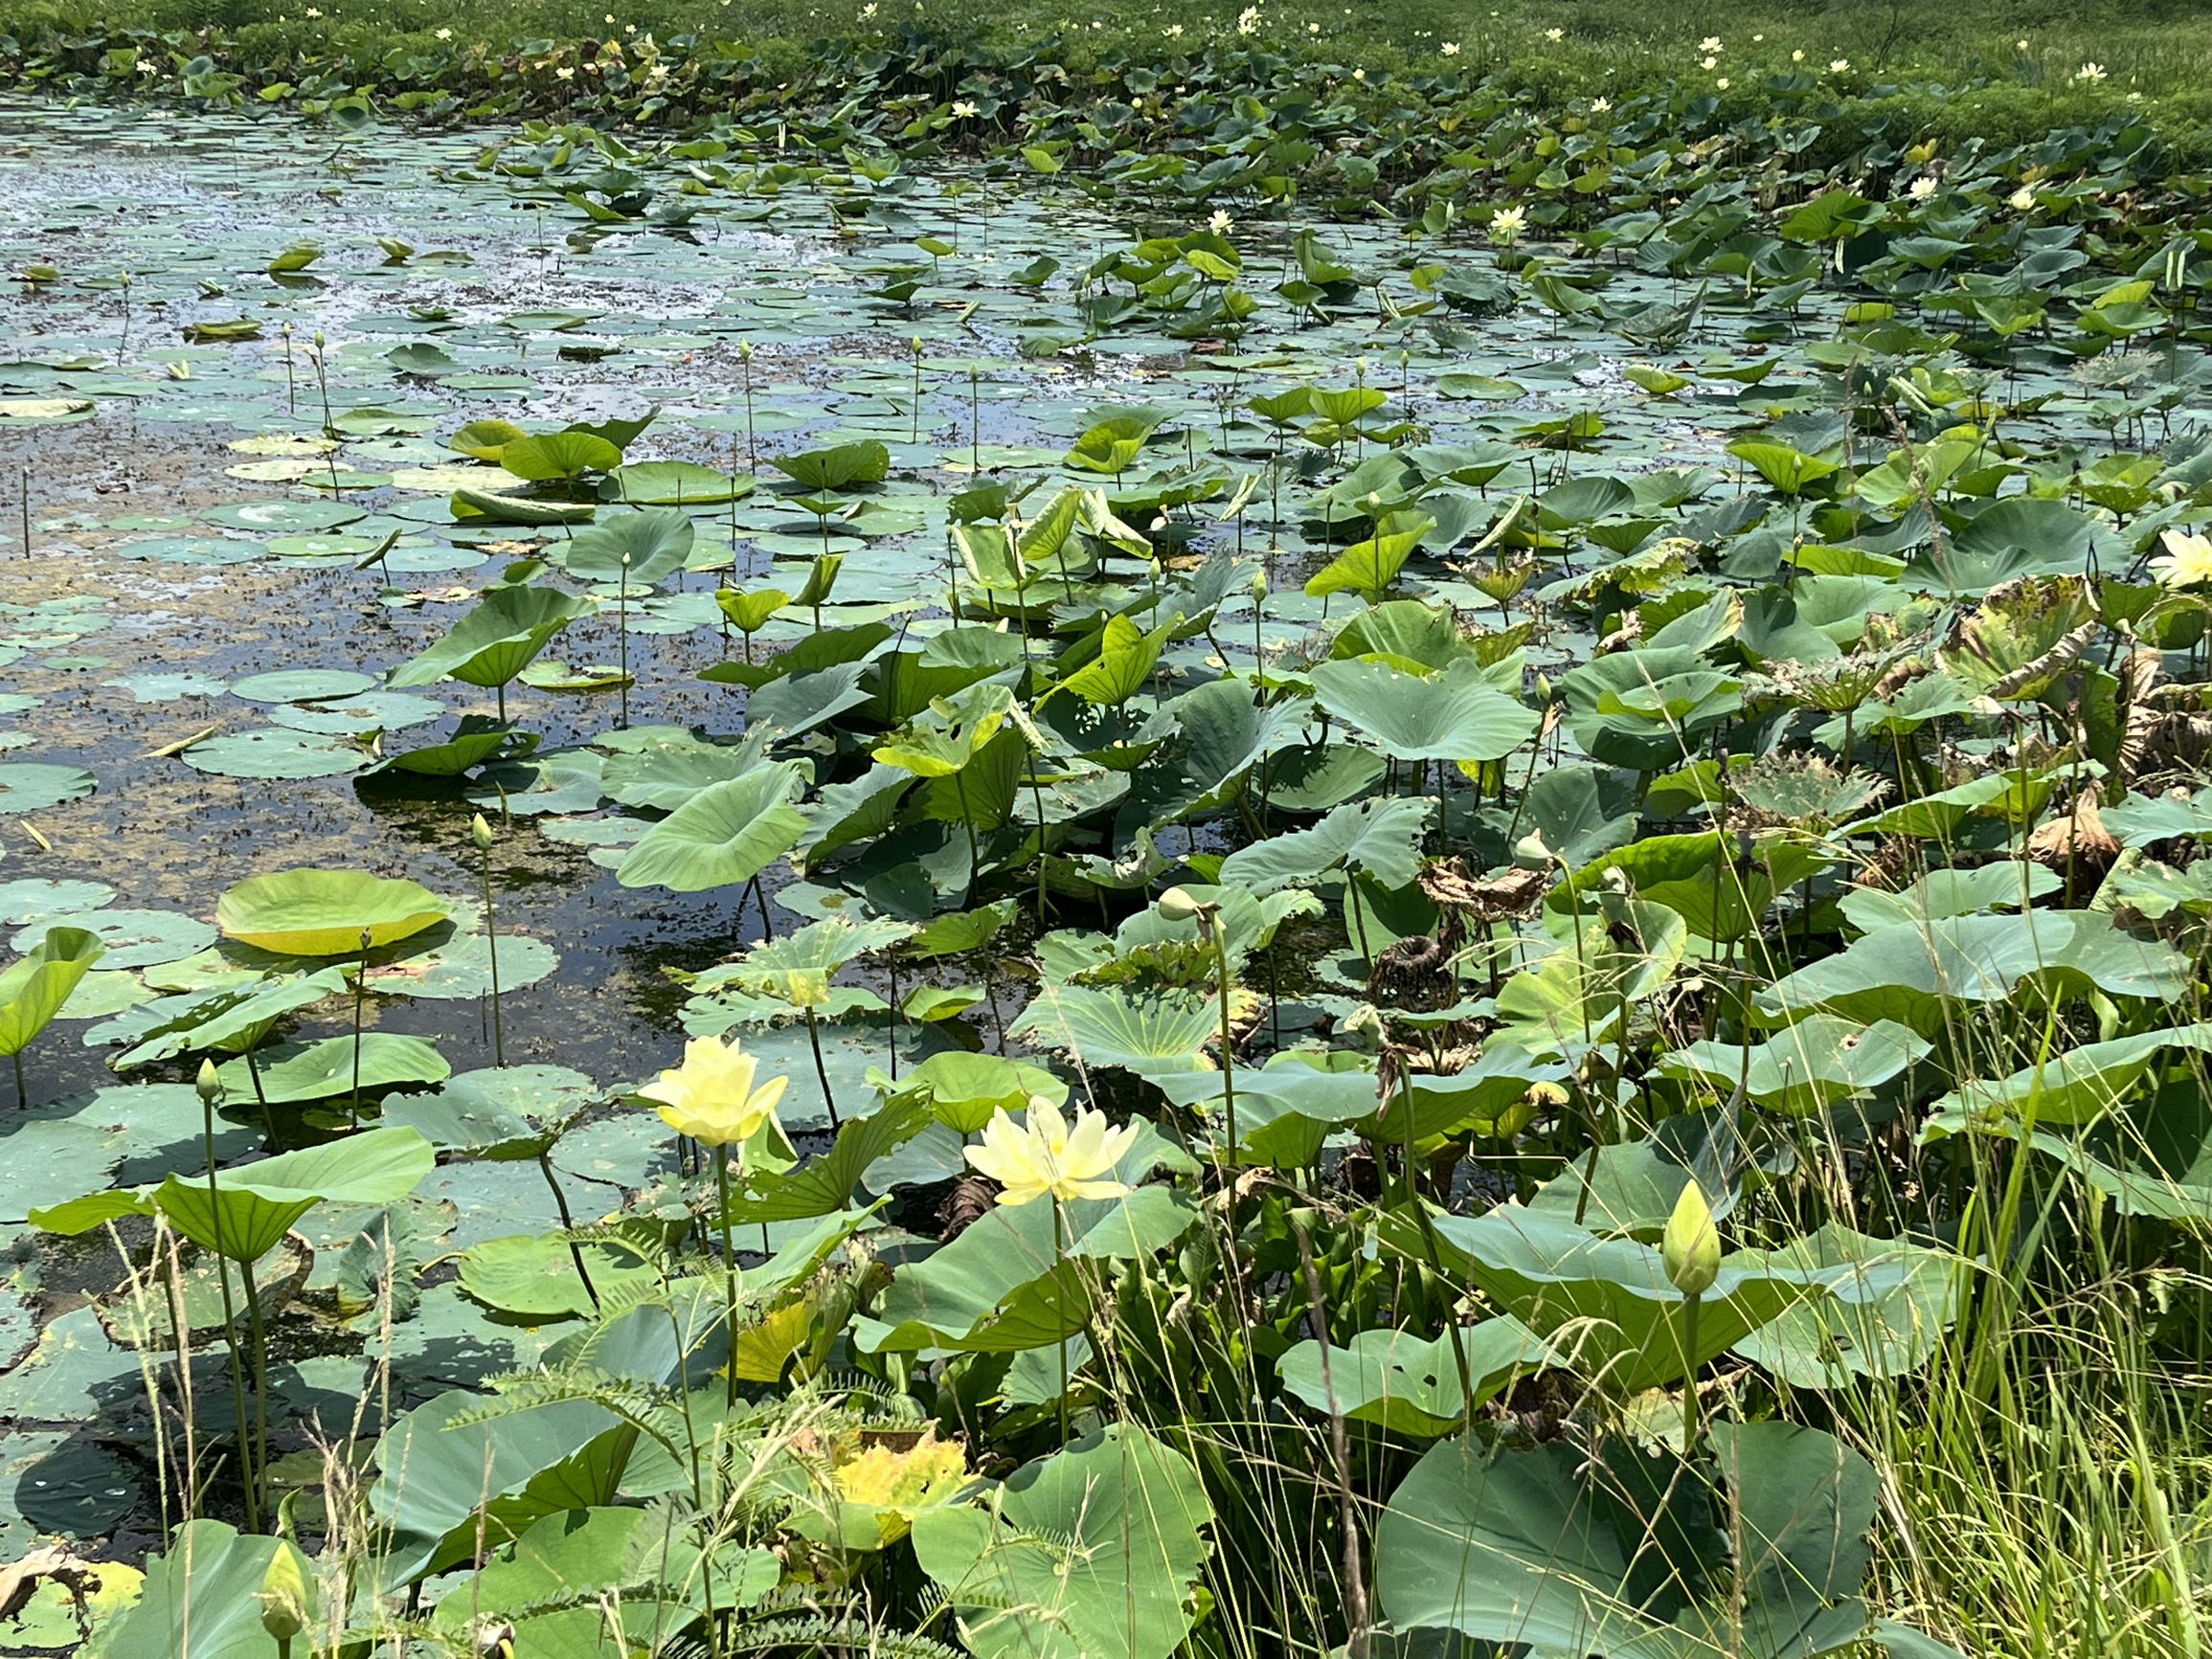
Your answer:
<point x="2044" y="63"/>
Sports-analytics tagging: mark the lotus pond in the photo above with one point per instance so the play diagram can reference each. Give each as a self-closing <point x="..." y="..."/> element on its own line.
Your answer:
<point x="768" y="903"/>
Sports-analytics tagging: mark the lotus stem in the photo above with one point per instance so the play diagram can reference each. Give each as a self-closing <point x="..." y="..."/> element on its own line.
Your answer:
<point x="1427" y="1229"/>
<point x="260" y="1097"/>
<point x="360" y="992"/>
<point x="568" y="1226"/>
<point x="211" y="1089"/>
<point x="1690" y="1303"/>
<point x="260" y="1340"/>
<point x="1060" y="1256"/>
<point x="623" y="629"/>
<point x="1213" y="925"/>
<point x="730" y="1266"/>
<point x="820" y="1070"/>
<point x="479" y="831"/>
<point x="1357" y="1646"/>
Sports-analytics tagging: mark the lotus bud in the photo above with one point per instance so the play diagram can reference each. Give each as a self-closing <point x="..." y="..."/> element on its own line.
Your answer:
<point x="283" y="1595"/>
<point x="209" y="1083"/>
<point x="1178" y="905"/>
<point x="1365" y="1023"/>
<point x="1690" y="1247"/>
<point x="1258" y="587"/>
<point x="1531" y="853"/>
<point x="480" y="833"/>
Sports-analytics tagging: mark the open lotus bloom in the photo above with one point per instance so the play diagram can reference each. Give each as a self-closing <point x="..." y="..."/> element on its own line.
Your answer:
<point x="1044" y="1156"/>
<point x="711" y="1097"/>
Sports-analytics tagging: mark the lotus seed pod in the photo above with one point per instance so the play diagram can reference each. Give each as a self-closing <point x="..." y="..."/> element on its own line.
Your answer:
<point x="1690" y="1247"/>
<point x="1178" y="905"/>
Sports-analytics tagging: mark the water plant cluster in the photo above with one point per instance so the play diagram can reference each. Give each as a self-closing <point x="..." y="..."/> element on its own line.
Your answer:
<point x="1475" y="931"/>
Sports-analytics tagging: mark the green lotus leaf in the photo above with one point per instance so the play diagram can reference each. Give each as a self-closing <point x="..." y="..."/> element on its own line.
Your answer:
<point x="1883" y="1318"/>
<point x="494" y="643"/>
<point x="964" y="1091"/>
<point x="1011" y="1282"/>
<point x="1569" y="1553"/>
<point x="1380" y="838"/>
<point x="1456" y="715"/>
<point x="1409" y="1383"/>
<point x="1094" y="1550"/>
<point x="447" y="1488"/>
<point x="493" y="508"/>
<point x="1150" y="1034"/>
<point x="535" y="1278"/>
<point x="1627" y="1319"/>
<point x="726" y="832"/>
<point x="1910" y="972"/>
<point x="836" y="468"/>
<point x="1805" y="1067"/>
<point x="201" y="1599"/>
<point x="673" y="483"/>
<point x="554" y="454"/>
<point x="640" y="548"/>
<point x="32" y="786"/>
<point x="34" y="990"/>
<point x="324" y="1069"/>
<point x="312" y="913"/>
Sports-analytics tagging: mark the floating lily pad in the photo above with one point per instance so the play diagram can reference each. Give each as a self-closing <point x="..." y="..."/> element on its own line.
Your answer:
<point x="274" y="753"/>
<point x="131" y="938"/>
<point x="284" y="515"/>
<point x="167" y="687"/>
<point x="312" y="546"/>
<point x="192" y="550"/>
<point x="37" y="899"/>
<point x="300" y="685"/>
<point x="31" y="786"/>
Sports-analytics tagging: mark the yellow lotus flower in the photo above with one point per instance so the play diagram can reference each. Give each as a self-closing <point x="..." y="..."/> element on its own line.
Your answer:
<point x="902" y="1479"/>
<point x="2186" y="562"/>
<point x="1045" y="1158"/>
<point x="710" y="1096"/>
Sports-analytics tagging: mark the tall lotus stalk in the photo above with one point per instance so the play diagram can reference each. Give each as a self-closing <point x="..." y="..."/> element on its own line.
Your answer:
<point x="623" y="629"/>
<point x="712" y="1098"/>
<point x="480" y="833"/>
<point x="1258" y="645"/>
<point x="211" y="1091"/>
<point x="360" y="991"/>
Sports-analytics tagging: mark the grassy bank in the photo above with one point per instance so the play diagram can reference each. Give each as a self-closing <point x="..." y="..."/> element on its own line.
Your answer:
<point x="2003" y="73"/>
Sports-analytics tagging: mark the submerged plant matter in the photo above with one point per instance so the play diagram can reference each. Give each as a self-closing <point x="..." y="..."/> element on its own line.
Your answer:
<point x="1447" y="894"/>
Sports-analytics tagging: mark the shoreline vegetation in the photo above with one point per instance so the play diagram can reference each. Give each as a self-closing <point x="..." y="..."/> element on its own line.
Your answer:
<point x="1830" y="88"/>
